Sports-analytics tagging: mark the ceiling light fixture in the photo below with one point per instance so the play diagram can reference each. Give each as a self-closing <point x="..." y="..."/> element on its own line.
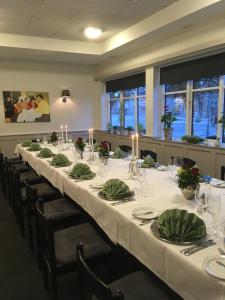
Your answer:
<point x="92" y="32"/>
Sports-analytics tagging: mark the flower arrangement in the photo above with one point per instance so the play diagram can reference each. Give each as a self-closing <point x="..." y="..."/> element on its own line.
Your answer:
<point x="192" y="139"/>
<point x="188" y="178"/>
<point x="103" y="150"/>
<point x="79" y="144"/>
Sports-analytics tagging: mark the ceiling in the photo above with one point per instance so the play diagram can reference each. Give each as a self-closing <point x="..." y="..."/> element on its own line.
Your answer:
<point x="66" y="19"/>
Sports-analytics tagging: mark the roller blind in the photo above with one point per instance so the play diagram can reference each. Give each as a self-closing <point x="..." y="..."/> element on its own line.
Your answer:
<point x="213" y="65"/>
<point x="129" y="82"/>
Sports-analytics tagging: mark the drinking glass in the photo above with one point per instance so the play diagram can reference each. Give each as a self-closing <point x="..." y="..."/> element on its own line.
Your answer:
<point x="142" y="179"/>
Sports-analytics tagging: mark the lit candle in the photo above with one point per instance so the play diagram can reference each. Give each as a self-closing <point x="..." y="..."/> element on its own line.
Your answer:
<point x="61" y="131"/>
<point x="66" y="132"/>
<point x="132" y="139"/>
<point x="137" y="150"/>
<point x="89" y="137"/>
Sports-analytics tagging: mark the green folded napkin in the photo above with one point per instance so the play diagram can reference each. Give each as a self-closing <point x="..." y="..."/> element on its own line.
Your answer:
<point x="178" y="225"/>
<point x="115" y="189"/>
<point x="34" y="147"/>
<point x="118" y="153"/>
<point x="45" y="153"/>
<point x="81" y="171"/>
<point x="148" y="162"/>
<point x="26" y="143"/>
<point x="60" y="160"/>
<point x="96" y="146"/>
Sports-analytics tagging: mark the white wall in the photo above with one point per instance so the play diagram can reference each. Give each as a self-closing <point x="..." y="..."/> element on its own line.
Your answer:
<point x="79" y="113"/>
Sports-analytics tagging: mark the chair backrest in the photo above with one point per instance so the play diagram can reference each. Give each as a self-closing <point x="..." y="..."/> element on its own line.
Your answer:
<point x="16" y="185"/>
<point x="46" y="229"/>
<point x="125" y="148"/>
<point x="222" y="172"/>
<point x="145" y="153"/>
<point x="183" y="161"/>
<point x="109" y="144"/>
<point x="90" y="284"/>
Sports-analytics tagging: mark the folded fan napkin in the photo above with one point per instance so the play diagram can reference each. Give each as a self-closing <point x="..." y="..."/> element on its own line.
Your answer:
<point x="118" y="153"/>
<point x="60" y="160"/>
<point x="34" y="147"/>
<point x="81" y="171"/>
<point x="115" y="189"/>
<point x="45" y="153"/>
<point x="180" y="226"/>
<point x="148" y="162"/>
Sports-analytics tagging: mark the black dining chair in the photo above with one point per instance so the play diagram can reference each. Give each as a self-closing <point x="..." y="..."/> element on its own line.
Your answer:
<point x="145" y="153"/>
<point x="125" y="148"/>
<point x="58" y="247"/>
<point x="135" y="286"/>
<point x="183" y="161"/>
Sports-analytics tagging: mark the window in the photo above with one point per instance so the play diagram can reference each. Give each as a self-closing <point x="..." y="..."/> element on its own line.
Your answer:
<point x="175" y="102"/>
<point x="205" y="107"/>
<point x="127" y="108"/>
<point x="115" y="108"/>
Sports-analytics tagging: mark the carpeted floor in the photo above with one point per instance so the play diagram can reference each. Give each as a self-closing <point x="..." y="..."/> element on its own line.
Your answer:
<point x="20" y="278"/>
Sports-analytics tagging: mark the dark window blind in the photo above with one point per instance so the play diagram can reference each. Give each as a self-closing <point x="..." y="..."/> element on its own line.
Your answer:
<point x="129" y="82"/>
<point x="204" y="67"/>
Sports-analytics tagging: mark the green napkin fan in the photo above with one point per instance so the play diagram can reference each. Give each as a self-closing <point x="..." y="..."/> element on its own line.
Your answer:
<point x="81" y="171"/>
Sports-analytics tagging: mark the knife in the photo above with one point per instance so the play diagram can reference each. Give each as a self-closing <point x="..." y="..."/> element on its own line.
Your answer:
<point x="220" y="263"/>
<point x="198" y="249"/>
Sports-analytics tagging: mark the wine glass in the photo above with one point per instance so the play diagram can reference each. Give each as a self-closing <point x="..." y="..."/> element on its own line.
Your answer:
<point x="142" y="176"/>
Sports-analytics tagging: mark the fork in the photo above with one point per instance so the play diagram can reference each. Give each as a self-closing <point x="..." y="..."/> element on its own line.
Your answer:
<point x="221" y="251"/>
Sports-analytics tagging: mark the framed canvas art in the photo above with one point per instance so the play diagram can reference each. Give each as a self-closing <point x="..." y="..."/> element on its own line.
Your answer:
<point x="26" y="107"/>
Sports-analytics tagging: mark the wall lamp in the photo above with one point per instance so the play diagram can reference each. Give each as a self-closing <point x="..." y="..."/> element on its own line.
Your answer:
<point x="65" y="95"/>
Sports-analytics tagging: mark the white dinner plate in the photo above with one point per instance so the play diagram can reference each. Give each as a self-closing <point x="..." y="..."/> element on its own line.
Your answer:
<point x="144" y="213"/>
<point x="217" y="183"/>
<point x="211" y="266"/>
<point x="163" y="168"/>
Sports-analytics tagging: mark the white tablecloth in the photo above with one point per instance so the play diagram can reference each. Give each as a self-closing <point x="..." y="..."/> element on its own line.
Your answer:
<point x="183" y="274"/>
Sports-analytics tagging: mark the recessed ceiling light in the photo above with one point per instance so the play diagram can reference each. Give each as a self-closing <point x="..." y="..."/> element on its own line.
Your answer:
<point x="92" y="32"/>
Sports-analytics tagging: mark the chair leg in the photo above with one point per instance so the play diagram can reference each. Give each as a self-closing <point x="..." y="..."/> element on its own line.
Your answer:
<point x="21" y="220"/>
<point x="54" y="286"/>
<point x="45" y="275"/>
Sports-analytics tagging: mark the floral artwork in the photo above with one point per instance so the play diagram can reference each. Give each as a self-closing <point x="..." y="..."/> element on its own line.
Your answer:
<point x="25" y="107"/>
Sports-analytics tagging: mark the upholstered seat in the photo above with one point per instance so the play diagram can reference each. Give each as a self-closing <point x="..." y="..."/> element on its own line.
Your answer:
<point x="15" y="160"/>
<point x="30" y="176"/>
<point x="67" y="239"/>
<point x="60" y="209"/>
<point x="44" y="190"/>
<point x="21" y="167"/>
<point x="139" y="286"/>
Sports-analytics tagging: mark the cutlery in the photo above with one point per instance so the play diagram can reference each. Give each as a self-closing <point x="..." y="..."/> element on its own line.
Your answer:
<point x="199" y="248"/>
<point x="144" y="222"/>
<point x="195" y="246"/>
<point x="121" y="202"/>
<point x="220" y="263"/>
<point x="221" y="251"/>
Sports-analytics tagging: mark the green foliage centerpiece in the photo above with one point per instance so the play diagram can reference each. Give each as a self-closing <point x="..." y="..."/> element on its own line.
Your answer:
<point x="80" y="145"/>
<point x="188" y="180"/>
<point x="34" y="147"/>
<point x="115" y="189"/>
<point x="179" y="226"/>
<point x="26" y="143"/>
<point x="81" y="171"/>
<point x="60" y="160"/>
<point x="45" y="153"/>
<point x="192" y="139"/>
<point x="53" y="138"/>
<point x="103" y="151"/>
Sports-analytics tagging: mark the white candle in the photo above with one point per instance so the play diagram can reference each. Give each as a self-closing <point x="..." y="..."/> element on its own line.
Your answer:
<point x="137" y="150"/>
<point x="89" y="137"/>
<point x="66" y="132"/>
<point x="61" y="131"/>
<point x="132" y="139"/>
<point x="92" y="137"/>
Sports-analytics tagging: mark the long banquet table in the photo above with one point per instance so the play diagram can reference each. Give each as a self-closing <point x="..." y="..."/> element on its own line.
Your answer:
<point x="183" y="274"/>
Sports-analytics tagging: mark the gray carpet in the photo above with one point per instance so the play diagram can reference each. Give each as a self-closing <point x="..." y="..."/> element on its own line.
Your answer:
<point x="20" y="278"/>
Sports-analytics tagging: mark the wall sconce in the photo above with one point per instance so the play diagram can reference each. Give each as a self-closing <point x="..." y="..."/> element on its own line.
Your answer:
<point x="65" y="95"/>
